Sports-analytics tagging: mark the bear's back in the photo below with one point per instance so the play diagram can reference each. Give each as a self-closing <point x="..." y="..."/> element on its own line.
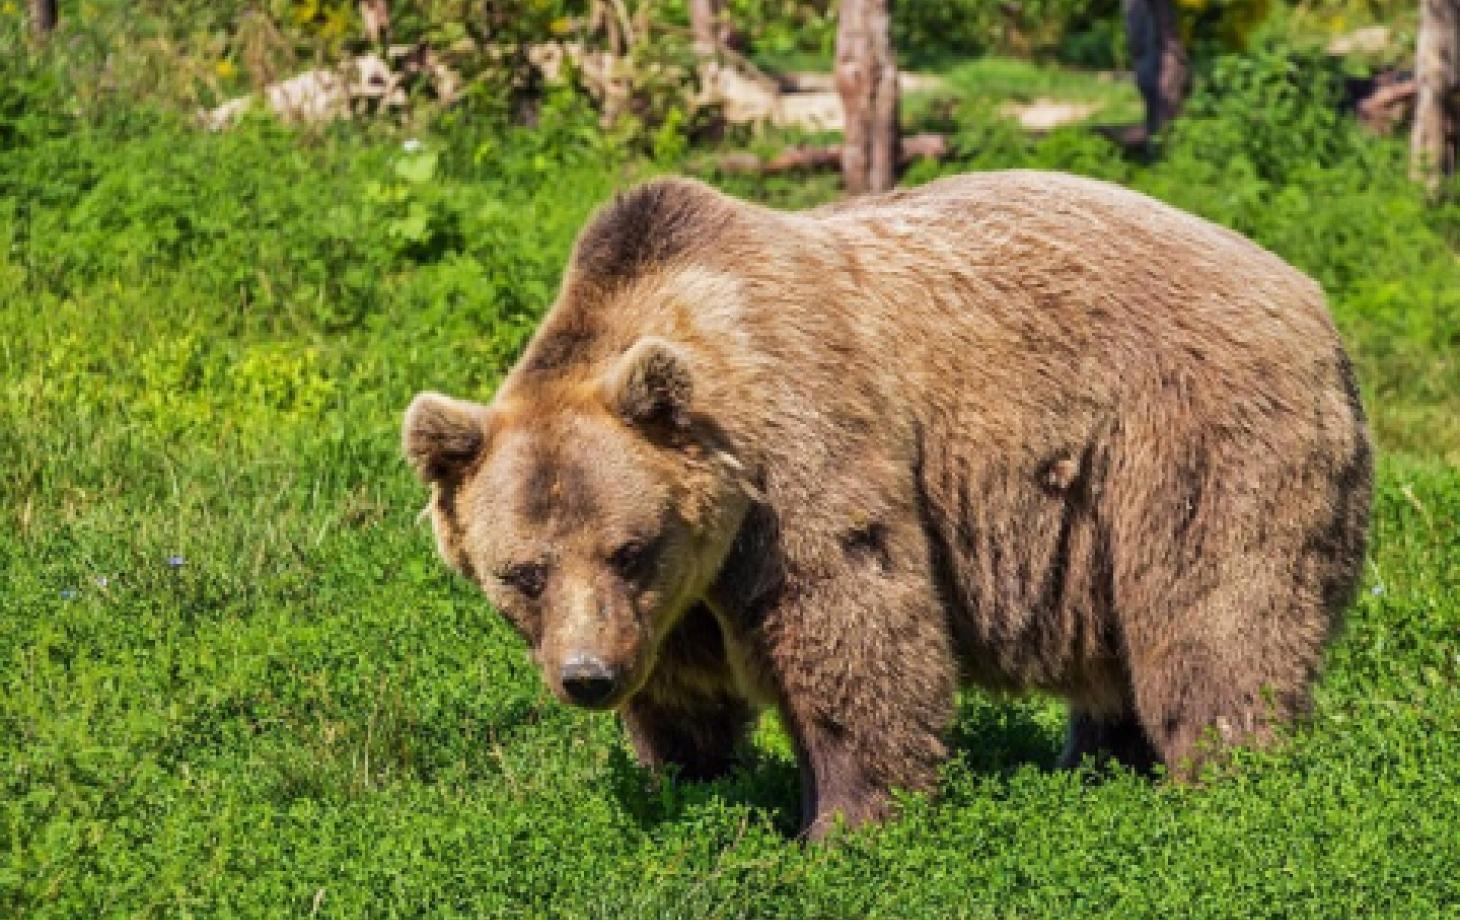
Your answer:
<point x="1050" y="242"/>
<point x="1050" y="292"/>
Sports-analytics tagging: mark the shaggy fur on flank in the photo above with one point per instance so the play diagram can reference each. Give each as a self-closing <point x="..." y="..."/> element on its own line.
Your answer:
<point x="1018" y="430"/>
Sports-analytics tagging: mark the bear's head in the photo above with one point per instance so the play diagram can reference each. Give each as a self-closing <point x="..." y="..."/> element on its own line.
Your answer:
<point x="593" y="512"/>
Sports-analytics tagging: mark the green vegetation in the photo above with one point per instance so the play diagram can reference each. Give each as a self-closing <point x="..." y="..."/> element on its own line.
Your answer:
<point x="234" y="679"/>
<point x="988" y="79"/>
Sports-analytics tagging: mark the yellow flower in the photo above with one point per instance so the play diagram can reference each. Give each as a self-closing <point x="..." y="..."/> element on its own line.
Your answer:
<point x="560" y="26"/>
<point x="225" y="68"/>
<point x="8" y="8"/>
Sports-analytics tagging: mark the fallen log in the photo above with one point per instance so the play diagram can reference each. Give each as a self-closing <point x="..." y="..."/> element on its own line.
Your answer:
<point x="365" y="83"/>
<point x="808" y="157"/>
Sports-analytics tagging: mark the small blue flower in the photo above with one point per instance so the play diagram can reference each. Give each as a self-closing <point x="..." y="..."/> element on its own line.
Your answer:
<point x="176" y="561"/>
<point x="102" y="581"/>
<point x="68" y="594"/>
<point x="1377" y="590"/>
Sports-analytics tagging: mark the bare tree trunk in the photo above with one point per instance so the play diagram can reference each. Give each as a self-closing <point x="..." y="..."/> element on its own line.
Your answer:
<point x="42" y="17"/>
<point x="375" y="15"/>
<point x="866" y="78"/>
<point x="1163" y="73"/>
<point x="1437" y="107"/>
<point x="708" y="26"/>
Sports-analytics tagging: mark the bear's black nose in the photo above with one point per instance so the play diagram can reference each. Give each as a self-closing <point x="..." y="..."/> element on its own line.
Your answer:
<point x="588" y="681"/>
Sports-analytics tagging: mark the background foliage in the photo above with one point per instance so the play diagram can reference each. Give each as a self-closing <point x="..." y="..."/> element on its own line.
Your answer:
<point x="235" y="680"/>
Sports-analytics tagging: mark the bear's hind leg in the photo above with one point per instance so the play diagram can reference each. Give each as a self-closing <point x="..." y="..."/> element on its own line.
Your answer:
<point x="1193" y="700"/>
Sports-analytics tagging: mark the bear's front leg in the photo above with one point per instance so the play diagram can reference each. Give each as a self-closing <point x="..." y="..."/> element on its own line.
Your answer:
<point x="865" y="672"/>
<point x="699" y="736"/>
<point x="690" y="714"/>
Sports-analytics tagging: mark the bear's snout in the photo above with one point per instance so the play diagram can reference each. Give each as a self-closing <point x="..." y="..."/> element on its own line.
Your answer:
<point x="587" y="680"/>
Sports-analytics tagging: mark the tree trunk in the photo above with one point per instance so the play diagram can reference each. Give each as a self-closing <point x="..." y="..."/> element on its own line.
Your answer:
<point x="866" y="78"/>
<point x="375" y="16"/>
<point x="1162" y="71"/>
<point x="42" y="17"/>
<point x="708" y="26"/>
<point x="1437" y="106"/>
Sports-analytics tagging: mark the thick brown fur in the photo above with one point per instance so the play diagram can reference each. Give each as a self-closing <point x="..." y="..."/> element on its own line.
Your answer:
<point x="1019" y="430"/>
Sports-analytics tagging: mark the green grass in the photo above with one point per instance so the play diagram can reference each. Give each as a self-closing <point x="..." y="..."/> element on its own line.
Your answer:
<point x="235" y="680"/>
<point x="996" y="80"/>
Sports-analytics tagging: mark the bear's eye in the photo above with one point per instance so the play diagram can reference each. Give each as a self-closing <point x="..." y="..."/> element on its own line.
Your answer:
<point x="527" y="578"/>
<point x="631" y="560"/>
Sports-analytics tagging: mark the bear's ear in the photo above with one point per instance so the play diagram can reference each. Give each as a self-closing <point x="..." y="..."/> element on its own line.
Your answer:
<point x="441" y="435"/>
<point x="651" y="386"/>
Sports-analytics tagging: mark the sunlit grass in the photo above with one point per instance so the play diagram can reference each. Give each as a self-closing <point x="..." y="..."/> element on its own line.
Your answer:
<point x="998" y="80"/>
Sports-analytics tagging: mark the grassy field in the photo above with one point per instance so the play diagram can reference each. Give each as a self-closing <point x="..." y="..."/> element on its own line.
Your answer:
<point x="234" y="679"/>
<point x="996" y="78"/>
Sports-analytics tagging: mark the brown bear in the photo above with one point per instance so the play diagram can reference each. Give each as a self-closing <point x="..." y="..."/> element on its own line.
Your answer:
<point x="1018" y="429"/>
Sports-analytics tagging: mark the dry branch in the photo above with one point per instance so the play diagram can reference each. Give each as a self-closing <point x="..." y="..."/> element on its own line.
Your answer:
<point x="1388" y="105"/>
